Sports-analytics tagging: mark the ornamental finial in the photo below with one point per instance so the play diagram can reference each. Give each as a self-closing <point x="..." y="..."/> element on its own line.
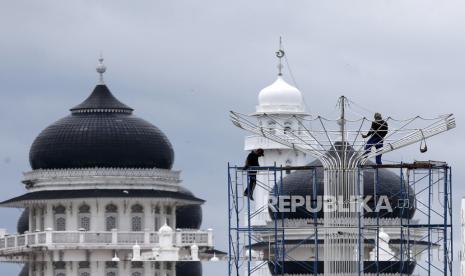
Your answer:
<point x="280" y="54"/>
<point x="101" y="68"/>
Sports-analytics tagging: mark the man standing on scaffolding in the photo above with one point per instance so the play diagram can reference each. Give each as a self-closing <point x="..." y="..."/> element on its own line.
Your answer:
<point x="378" y="130"/>
<point x="252" y="161"/>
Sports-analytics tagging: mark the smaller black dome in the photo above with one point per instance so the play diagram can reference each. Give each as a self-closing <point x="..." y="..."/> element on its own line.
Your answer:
<point x="188" y="269"/>
<point x="188" y="216"/>
<point x="369" y="267"/>
<point x="24" y="271"/>
<point x="23" y="222"/>
<point x="300" y="183"/>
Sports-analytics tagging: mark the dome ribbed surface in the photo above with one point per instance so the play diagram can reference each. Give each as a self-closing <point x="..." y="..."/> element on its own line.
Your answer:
<point x="101" y="132"/>
<point x="188" y="216"/>
<point x="188" y="269"/>
<point x="23" y="222"/>
<point x="101" y="98"/>
<point x="24" y="270"/>
<point x="300" y="183"/>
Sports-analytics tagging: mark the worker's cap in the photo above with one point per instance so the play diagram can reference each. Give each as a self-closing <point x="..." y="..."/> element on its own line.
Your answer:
<point x="378" y="115"/>
<point x="260" y="151"/>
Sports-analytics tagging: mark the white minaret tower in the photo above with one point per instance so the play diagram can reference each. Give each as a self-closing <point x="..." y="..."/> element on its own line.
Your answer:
<point x="284" y="102"/>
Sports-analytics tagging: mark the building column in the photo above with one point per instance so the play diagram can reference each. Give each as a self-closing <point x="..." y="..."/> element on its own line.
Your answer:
<point x="70" y="271"/>
<point x="124" y="268"/>
<point x="31" y="209"/>
<point x="71" y="216"/>
<point x="148" y="269"/>
<point x="148" y="217"/>
<point x="48" y="216"/>
<point x="124" y="215"/>
<point x="97" y="215"/>
<point x="48" y="269"/>
<point x="97" y="268"/>
<point x="38" y="211"/>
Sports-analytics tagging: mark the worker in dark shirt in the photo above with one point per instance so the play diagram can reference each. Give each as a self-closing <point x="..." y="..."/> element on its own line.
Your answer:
<point x="252" y="161"/>
<point x="378" y="130"/>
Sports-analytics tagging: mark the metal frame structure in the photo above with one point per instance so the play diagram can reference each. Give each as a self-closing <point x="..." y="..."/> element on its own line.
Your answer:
<point x="342" y="149"/>
<point x="428" y="233"/>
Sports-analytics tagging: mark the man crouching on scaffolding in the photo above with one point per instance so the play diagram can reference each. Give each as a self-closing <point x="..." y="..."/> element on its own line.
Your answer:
<point x="252" y="161"/>
<point x="378" y="130"/>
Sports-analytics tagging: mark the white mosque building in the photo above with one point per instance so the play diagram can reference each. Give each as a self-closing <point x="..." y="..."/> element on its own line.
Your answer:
<point x="304" y="250"/>
<point x="102" y="199"/>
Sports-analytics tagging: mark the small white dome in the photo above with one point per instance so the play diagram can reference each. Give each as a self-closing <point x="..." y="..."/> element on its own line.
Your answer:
<point x="165" y="229"/>
<point x="214" y="258"/>
<point x="115" y="258"/>
<point x="280" y="97"/>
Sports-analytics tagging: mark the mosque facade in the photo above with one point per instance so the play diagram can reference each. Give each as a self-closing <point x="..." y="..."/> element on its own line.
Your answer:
<point x="103" y="199"/>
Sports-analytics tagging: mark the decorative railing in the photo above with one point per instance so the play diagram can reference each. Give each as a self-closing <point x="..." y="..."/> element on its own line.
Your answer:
<point x="92" y="172"/>
<point x="180" y="238"/>
<point x="88" y="178"/>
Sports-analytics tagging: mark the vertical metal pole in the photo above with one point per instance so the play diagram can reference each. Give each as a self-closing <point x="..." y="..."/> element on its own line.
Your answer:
<point x="315" y="221"/>
<point x="377" y="220"/>
<point x="402" y="220"/>
<point x="408" y="218"/>
<point x="229" y="220"/>
<point x="445" y="229"/>
<point x="238" y="254"/>
<point x="451" y="251"/>
<point x="249" y="237"/>
<point x="429" y="220"/>
<point x="276" y="249"/>
<point x="360" y="217"/>
<point x="283" y="238"/>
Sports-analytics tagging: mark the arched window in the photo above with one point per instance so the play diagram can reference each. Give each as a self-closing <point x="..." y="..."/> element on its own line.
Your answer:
<point x="157" y="269"/>
<point x="60" y="268"/>
<point x="137" y="214"/>
<point x="168" y="268"/>
<point x="137" y="269"/>
<point x="272" y="126"/>
<point x="84" y="217"/>
<point x="111" y="217"/>
<point x="288" y="164"/>
<point x="158" y="221"/>
<point x="287" y="127"/>
<point x="111" y="269"/>
<point x="59" y="217"/>
<point x="84" y="269"/>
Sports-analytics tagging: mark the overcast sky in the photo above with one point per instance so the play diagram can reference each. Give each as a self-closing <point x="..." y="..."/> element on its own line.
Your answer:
<point x="184" y="64"/>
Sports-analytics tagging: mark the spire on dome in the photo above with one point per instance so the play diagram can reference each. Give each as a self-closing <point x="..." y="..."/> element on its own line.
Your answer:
<point x="101" y="68"/>
<point x="280" y="54"/>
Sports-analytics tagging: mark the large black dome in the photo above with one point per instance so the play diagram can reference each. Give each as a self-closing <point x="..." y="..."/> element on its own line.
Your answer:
<point x="300" y="183"/>
<point x="188" y="269"/>
<point x="188" y="216"/>
<point x="24" y="271"/>
<point x="101" y="132"/>
<point x="23" y="222"/>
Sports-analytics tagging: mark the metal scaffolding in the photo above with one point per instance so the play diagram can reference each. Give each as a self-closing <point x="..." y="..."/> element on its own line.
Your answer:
<point x="343" y="150"/>
<point x="422" y="242"/>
